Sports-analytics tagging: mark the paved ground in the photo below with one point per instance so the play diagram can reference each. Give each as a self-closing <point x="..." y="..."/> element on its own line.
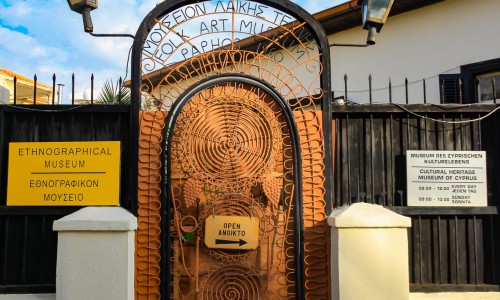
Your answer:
<point x="28" y="297"/>
<point x="413" y="296"/>
<point x="455" y="296"/>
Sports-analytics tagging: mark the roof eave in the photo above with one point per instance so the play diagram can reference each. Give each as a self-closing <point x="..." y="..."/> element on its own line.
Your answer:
<point x="348" y="15"/>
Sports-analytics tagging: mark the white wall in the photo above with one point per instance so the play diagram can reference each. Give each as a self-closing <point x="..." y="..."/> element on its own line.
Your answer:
<point x="95" y="254"/>
<point x="422" y="43"/>
<point x="4" y="95"/>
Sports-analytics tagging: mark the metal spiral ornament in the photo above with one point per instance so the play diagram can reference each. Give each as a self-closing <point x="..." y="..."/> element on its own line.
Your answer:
<point x="231" y="282"/>
<point x="230" y="137"/>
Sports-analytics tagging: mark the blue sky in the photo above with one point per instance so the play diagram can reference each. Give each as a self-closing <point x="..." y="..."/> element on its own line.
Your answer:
<point x="46" y="37"/>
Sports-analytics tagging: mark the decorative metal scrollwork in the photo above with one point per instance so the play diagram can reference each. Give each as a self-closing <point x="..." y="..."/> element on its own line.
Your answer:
<point x="231" y="150"/>
<point x="230" y="137"/>
<point x="231" y="282"/>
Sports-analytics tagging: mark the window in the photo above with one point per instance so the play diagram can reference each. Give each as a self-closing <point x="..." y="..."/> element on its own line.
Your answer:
<point x="451" y="88"/>
<point x="476" y="82"/>
<point x="488" y="86"/>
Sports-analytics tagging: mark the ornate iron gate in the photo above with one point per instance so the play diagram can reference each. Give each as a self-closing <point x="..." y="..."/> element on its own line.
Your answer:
<point x="232" y="154"/>
<point x="244" y="86"/>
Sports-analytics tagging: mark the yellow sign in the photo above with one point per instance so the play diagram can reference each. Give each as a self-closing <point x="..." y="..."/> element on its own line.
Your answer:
<point x="232" y="232"/>
<point x="64" y="174"/>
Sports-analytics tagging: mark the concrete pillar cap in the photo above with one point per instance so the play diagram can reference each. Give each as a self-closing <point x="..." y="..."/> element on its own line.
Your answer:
<point x="97" y="219"/>
<point x="364" y="215"/>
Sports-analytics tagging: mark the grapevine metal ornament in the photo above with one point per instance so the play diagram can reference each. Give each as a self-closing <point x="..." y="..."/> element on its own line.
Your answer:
<point x="232" y="89"/>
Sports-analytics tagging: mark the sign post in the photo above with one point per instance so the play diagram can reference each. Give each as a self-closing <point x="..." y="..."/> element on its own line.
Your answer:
<point x="232" y="232"/>
<point x="64" y="174"/>
<point x="446" y="178"/>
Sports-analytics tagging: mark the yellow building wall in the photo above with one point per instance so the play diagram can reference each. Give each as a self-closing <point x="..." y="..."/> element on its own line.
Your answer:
<point x="24" y="89"/>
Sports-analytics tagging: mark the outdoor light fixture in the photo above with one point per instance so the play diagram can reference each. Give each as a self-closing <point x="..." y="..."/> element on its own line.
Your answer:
<point x="375" y="13"/>
<point x="84" y="7"/>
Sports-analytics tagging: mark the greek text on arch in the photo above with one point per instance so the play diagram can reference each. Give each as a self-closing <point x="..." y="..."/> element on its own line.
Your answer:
<point x="244" y="7"/>
<point x="160" y="48"/>
<point x="90" y="151"/>
<point x="198" y="10"/>
<point x="184" y="14"/>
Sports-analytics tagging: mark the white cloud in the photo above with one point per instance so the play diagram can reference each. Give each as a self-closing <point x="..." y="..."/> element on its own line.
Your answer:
<point x="16" y="12"/>
<point x="314" y="6"/>
<point x="21" y="46"/>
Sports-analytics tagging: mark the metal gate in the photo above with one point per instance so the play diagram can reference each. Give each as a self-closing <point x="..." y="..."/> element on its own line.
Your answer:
<point x="237" y="96"/>
<point x="232" y="153"/>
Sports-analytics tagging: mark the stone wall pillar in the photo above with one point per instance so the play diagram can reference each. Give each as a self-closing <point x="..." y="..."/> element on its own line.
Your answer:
<point x="369" y="253"/>
<point x="95" y="254"/>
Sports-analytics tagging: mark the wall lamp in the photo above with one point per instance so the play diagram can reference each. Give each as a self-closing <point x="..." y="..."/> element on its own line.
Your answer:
<point x="374" y="14"/>
<point x="84" y="7"/>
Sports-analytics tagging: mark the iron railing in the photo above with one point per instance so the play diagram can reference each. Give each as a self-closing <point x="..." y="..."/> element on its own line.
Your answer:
<point x="456" y="93"/>
<point x="51" y="99"/>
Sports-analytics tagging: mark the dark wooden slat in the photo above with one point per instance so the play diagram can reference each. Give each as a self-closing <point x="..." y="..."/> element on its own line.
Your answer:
<point x="479" y="249"/>
<point x="24" y="255"/>
<point x="369" y="172"/>
<point x="417" y="108"/>
<point x="411" y="253"/>
<point x="452" y="246"/>
<point x="390" y="161"/>
<point x="492" y="269"/>
<point x="42" y="250"/>
<point x="360" y="164"/>
<point x="444" y="211"/>
<point x="4" y="250"/>
<point x="346" y="162"/>
<point x="426" y="250"/>
<point x="472" y="254"/>
<point x="443" y="258"/>
<point x="433" y="288"/>
<point x="415" y="251"/>
<point x="4" y="149"/>
<point x="13" y="263"/>
<point x="378" y="162"/>
<point x="36" y="210"/>
<point x="462" y="249"/>
<point x="25" y="289"/>
<point x="435" y="250"/>
<point x="399" y="170"/>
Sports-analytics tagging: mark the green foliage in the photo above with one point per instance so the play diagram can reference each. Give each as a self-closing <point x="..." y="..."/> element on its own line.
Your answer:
<point x="188" y="236"/>
<point x="113" y="94"/>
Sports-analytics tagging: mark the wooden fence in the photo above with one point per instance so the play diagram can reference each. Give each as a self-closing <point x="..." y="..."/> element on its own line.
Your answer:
<point x="450" y="248"/>
<point x="27" y="243"/>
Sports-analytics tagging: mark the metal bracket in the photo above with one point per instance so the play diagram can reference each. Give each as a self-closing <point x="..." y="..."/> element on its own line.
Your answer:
<point x="112" y="35"/>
